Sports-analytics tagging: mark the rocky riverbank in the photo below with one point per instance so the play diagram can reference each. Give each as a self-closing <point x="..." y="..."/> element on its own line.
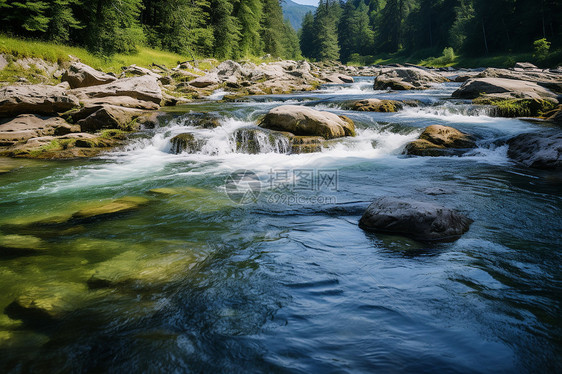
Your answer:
<point x="78" y="111"/>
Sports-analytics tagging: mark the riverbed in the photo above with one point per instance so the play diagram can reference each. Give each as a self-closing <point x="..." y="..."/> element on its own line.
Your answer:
<point x="222" y="273"/>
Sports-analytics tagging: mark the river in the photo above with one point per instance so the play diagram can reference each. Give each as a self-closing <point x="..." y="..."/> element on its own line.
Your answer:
<point x="285" y="280"/>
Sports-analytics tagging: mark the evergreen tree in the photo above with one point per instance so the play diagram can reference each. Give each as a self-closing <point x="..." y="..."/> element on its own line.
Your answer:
<point x="225" y="28"/>
<point x="291" y="42"/>
<point x="62" y="20"/>
<point x="307" y="36"/>
<point x="325" y="24"/>
<point x="355" y="33"/>
<point x="248" y="14"/>
<point x="273" y="28"/>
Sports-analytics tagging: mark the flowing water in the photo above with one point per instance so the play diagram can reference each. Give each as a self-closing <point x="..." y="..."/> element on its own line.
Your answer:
<point x="288" y="282"/>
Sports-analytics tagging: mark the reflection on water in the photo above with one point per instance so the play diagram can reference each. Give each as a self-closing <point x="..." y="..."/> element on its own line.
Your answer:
<point x="185" y="279"/>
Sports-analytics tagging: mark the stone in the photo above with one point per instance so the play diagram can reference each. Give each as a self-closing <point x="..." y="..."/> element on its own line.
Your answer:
<point x="145" y="88"/>
<point x="35" y="99"/>
<point x="509" y="88"/>
<point x="252" y="140"/>
<point x="28" y="126"/>
<point x="130" y="269"/>
<point x="205" y="81"/>
<point x="123" y="101"/>
<point x="47" y="302"/>
<point x="109" y="208"/>
<point x="107" y="117"/>
<point x="305" y="121"/>
<point x="537" y="150"/>
<point x="438" y="140"/>
<point x="81" y="75"/>
<point x="407" y="78"/>
<point x="165" y="191"/>
<point x="20" y="245"/>
<point x="525" y="65"/>
<point x="421" y="221"/>
<point x="376" y="105"/>
<point x="137" y="70"/>
<point x="338" y="78"/>
<point x="187" y="143"/>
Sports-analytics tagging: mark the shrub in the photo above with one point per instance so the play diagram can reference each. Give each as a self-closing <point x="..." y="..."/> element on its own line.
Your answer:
<point x="542" y="48"/>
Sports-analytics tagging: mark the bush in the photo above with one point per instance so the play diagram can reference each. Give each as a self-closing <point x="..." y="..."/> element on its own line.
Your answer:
<point x="542" y="48"/>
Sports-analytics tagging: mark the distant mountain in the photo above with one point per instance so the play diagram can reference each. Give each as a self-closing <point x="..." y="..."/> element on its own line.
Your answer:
<point x="295" y="12"/>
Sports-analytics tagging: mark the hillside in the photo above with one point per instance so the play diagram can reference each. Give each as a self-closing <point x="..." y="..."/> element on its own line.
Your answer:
<point x="295" y="12"/>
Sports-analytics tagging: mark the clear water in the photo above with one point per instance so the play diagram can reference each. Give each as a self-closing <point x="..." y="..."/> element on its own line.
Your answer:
<point x="289" y="283"/>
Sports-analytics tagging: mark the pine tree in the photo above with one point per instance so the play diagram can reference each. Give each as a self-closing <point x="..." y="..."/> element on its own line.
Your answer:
<point x="248" y="14"/>
<point x="307" y="36"/>
<point x="355" y="33"/>
<point x="291" y="43"/>
<point x="62" y="20"/>
<point x="326" y="21"/>
<point x="272" y="28"/>
<point x="225" y="29"/>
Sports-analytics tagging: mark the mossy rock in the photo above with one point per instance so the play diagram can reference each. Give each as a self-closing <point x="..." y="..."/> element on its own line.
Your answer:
<point x="306" y="144"/>
<point x="376" y="105"/>
<point x="516" y="107"/>
<point x="122" y="205"/>
<point x="165" y="191"/>
<point x="129" y="269"/>
<point x="47" y="302"/>
<point x="20" y="245"/>
<point x="186" y="143"/>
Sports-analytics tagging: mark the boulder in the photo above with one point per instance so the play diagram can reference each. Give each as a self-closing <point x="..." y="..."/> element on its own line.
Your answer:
<point x="407" y="78"/>
<point x="124" y="101"/>
<point x="98" y="117"/>
<point x="81" y="75"/>
<point x="137" y="70"/>
<point x="376" y="105"/>
<point x="186" y="143"/>
<point x="306" y="144"/>
<point x="252" y="140"/>
<point x="27" y="126"/>
<point x="338" y="78"/>
<point x="421" y="221"/>
<point x="145" y="88"/>
<point x="508" y="88"/>
<point x="541" y="151"/>
<point x="525" y="65"/>
<point x="35" y="99"/>
<point x="205" y="81"/>
<point x="438" y="140"/>
<point x="305" y="121"/>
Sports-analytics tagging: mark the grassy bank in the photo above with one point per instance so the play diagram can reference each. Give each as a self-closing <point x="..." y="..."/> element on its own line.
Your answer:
<point x="60" y="53"/>
<point x="424" y="58"/>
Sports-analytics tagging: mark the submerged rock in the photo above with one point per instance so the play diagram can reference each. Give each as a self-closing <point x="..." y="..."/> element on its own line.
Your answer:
<point x="47" y="302"/>
<point x="131" y="269"/>
<point x="252" y="140"/>
<point x="516" y="107"/>
<point x="376" y="105"/>
<point x="541" y="151"/>
<point x="105" y="209"/>
<point x="419" y="220"/>
<point x="438" y="140"/>
<point x="81" y="75"/>
<point x="165" y="191"/>
<point x="35" y="99"/>
<point x="20" y="245"/>
<point x="304" y="121"/>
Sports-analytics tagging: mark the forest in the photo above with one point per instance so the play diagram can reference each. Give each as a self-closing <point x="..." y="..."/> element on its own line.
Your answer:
<point x="352" y="30"/>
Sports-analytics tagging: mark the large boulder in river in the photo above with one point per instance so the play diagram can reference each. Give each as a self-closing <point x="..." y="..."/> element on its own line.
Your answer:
<point x="35" y="99"/>
<point x="186" y="143"/>
<point x="438" y="140"/>
<point x="27" y="126"/>
<point x="407" y="78"/>
<point x="421" y="221"/>
<point x="300" y="120"/>
<point x="474" y="88"/>
<point x="541" y="151"/>
<point x="81" y="75"/>
<point x="144" y="88"/>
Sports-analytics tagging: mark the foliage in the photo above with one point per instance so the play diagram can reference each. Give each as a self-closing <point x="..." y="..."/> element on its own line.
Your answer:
<point x="542" y="47"/>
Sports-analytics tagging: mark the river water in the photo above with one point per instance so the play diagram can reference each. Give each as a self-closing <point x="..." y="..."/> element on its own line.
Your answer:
<point x="285" y="281"/>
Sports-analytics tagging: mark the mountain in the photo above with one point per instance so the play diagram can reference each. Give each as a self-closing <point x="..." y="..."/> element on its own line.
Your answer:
<point x="295" y="12"/>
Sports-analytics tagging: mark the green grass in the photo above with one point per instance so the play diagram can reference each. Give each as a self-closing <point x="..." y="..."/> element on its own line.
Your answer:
<point x="59" y="53"/>
<point x="423" y="57"/>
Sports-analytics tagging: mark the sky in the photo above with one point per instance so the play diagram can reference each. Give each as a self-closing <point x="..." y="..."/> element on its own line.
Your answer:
<point x="307" y="2"/>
